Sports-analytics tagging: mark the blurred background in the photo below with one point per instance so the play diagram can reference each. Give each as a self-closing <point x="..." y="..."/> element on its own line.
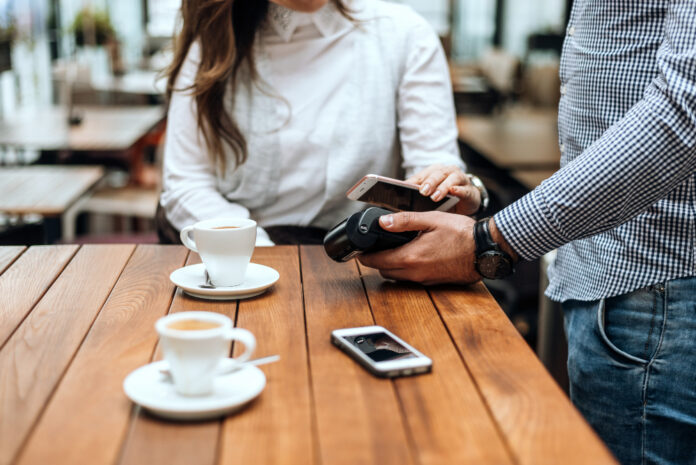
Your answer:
<point x="82" y="117"/>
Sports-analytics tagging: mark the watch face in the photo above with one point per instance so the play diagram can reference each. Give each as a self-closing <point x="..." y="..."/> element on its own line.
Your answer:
<point x="493" y="265"/>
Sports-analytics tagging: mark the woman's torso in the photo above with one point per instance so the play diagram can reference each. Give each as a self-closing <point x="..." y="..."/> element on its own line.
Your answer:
<point x="324" y="117"/>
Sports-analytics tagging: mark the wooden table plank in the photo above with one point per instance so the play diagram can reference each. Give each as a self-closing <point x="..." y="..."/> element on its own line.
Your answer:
<point x="10" y="185"/>
<point x="37" y="354"/>
<point x="154" y="441"/>
<point x="466" y="433"/>
<point x="8" y="254"/>
<point x="359" y="419"/>
<point x="538" y="421"/>
<point x="122" y="338"/>
<point x="45" y="190"/>
<point x="82" y="180"/>
<point x="21" y="286"/>
<point x="282" y="416"/>
<point x="36" y="183"/>
<point x="42" y="186"/>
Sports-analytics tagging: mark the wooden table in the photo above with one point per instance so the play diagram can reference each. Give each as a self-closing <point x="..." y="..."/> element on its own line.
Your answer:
<point x="77" y="320"/>
<point x="520" y="138"/>
<point x="102" y="129"/>
<point x="50" y="191"/>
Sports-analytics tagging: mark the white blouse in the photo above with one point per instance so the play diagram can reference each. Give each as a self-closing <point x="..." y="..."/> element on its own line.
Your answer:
<point x="338" y="99"/>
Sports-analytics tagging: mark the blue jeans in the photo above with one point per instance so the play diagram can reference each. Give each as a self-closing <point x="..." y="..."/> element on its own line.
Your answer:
<point x="632" y="369"/>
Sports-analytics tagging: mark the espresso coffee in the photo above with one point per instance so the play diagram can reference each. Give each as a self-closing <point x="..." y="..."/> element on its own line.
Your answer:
<point x="193" y="325"/>
<point x="226" y="227"/>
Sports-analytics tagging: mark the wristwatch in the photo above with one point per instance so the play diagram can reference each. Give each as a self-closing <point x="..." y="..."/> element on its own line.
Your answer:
<point x="485" y="199"/>
<point x="492" y="262"/>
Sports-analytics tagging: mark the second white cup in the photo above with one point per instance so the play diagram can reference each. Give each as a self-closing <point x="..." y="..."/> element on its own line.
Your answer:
<point x="225" y="246"/>
<point x="194" y="344"/>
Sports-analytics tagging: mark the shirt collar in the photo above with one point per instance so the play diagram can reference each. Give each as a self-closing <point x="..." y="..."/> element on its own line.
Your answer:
<point x="284" y="21"/>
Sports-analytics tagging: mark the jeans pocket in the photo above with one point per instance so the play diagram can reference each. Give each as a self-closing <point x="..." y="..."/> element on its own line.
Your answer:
<point x="601" y="327"/>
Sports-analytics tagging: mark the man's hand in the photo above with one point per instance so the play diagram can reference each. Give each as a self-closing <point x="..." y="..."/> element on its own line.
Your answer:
<point x="444" y="252"/>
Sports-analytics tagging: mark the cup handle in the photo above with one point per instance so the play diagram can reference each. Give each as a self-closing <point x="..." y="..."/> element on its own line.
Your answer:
<point x="186" y="239"/>
<point x="246" y="338"/>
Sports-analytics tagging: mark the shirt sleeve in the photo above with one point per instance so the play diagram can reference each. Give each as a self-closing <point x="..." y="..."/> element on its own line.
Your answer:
<point x="425" y="109"/>
<point x="636" y="162"/>
<point x="190" y="192"/>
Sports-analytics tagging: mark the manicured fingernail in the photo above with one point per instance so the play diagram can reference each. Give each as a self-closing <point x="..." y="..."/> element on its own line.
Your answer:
<point x="425" y="188"/>
<point x="387" y="221"/>
<point x="436" y="196"/>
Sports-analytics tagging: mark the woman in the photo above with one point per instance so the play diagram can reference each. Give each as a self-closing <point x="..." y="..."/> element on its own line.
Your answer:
<point x="276" y="109"/>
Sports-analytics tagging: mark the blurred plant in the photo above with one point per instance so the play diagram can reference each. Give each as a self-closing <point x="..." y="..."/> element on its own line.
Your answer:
<point x="92" y="28"/>
<point x="8" y="33"/>
<point x="8" y="29"/>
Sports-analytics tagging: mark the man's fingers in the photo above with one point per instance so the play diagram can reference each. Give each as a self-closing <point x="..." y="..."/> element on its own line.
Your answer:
<point x="385" y="260"/>
<point x="406" y="221"/>
<point x="399" y="274"/>
<point x="391" y="265"/>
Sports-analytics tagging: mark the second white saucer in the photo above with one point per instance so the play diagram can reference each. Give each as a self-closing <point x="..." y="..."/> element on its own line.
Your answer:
<point x="147" y="387"/>
<point x="258" y="279"/>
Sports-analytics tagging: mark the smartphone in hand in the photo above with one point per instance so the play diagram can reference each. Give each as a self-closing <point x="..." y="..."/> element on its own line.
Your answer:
<point x="396" y="195"/>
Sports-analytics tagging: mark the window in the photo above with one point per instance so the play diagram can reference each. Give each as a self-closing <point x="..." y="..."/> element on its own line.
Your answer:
<point x="162" y="17"/>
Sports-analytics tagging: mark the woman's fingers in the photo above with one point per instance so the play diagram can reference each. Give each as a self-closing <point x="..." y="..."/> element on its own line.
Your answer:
<point x="431" y="184"/>
<point x="418" y="177"/>
<point x="422" y="175"/>
<point x="455" y="178"/>
<point x="469" y="199"/>
<point x="436" y="181"/>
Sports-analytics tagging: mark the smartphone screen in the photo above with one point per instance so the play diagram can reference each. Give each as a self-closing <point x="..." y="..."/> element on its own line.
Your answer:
<point x="380" y="347"/>
<point x="399" y="197"/>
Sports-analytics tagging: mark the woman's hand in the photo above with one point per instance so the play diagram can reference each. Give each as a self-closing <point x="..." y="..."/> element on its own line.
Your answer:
<point x="436" y="181"/>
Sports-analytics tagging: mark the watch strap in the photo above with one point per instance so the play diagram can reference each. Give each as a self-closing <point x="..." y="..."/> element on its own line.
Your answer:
<point x="482" y="237"/>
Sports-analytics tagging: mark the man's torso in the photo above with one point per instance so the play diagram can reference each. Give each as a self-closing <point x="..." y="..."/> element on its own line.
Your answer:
<point x="609" y="59"/>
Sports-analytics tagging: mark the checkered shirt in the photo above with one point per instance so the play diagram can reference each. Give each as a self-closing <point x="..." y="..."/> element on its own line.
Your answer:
<point x="622" y="209"/>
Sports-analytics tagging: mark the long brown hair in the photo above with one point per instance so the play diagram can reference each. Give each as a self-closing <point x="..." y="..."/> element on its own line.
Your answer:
<point x="225" y="30"/>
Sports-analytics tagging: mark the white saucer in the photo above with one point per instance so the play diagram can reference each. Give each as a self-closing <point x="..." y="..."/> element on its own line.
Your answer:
<point x="258" y="279"/>
<point x="149" y="388"/>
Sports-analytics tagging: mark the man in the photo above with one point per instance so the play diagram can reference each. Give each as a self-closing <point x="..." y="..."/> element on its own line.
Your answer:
<point x="622" y="211"/>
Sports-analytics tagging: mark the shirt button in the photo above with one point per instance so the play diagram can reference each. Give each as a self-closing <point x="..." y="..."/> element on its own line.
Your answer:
<point x="562" y="147"/>
<point x="563" y="90"/>
<point x="571" y="31"/>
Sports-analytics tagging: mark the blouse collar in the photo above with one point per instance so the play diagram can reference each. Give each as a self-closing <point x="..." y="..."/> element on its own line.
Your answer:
<point x="284" y="21"/>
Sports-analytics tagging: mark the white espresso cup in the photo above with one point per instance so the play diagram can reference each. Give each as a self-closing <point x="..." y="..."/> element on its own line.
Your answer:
<point x="194" y="345"/>
<point x="225" y="252"/>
